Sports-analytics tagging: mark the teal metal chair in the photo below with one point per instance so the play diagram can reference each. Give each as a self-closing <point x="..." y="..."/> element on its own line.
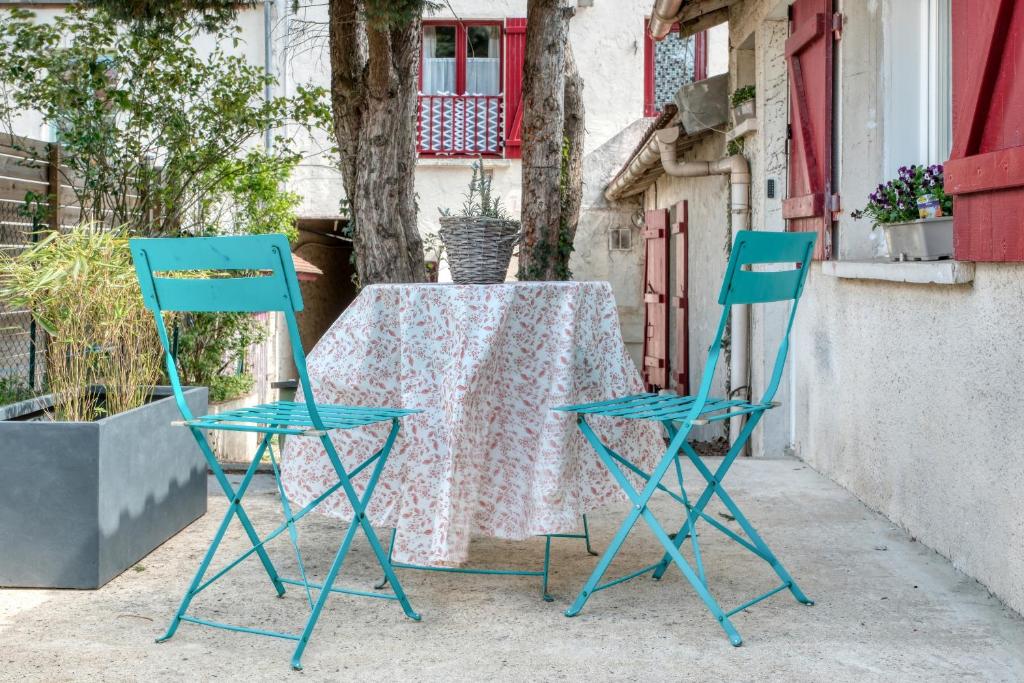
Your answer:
<point x="679" y="414"/>
<point x="254" y="274"/>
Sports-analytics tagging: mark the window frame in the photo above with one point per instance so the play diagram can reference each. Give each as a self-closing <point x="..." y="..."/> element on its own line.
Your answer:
<point x="461" y="41"/>
<point x="700" y="64"/>
<point x="929" y="123"/>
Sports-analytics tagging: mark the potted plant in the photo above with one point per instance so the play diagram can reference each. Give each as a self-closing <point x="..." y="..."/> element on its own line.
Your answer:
<point x="742" y="104"/>
<point x="93" y="476"/>
<point x="915" y="212"/>
<point x="479" y="239"/>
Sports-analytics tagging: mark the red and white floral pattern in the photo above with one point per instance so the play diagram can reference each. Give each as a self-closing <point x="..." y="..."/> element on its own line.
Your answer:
<point x="487" y="456"/>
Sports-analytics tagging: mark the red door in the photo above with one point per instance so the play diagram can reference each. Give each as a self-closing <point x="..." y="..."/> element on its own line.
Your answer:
<point x="679" y="302"/>
<point x="810" y="200"/>
<point x="656" y="282"/>
<point x="986" y="169"/>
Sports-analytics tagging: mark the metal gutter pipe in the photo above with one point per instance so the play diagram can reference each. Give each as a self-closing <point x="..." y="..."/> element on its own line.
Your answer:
<point x="738" y="170"/>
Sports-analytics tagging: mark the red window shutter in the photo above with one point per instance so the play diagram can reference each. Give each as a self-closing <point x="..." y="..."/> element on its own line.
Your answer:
<point x="515" y="49"/>
<point x="656" y="299"/>
<point x="680" y="300"/>
<point x="809" y="203"/>
<point x="986" y="169"/>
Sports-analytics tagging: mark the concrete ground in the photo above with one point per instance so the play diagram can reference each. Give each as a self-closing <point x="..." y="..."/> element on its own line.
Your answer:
<point x="887" y="609"/>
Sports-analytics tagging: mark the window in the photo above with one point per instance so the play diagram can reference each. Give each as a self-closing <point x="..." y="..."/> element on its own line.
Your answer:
<point x="918" y="100"/>
<point x="461" y="99"/>
<point x="670" y="64"/>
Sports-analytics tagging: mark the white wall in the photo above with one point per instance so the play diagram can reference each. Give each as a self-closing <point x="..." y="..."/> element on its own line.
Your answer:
<point x="906" y="394"/>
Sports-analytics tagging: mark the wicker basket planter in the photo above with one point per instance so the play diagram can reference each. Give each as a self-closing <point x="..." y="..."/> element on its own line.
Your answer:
<point x="479" y="249"/>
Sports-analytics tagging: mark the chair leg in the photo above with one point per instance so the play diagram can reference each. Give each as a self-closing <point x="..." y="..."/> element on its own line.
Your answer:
<point x="359" y="520"/>
<point x="289" y="520"/>
<point x="748" y="529"/>
<point x="383" y="583"/>
<point x="243" y="518"/>
<point x="234" y="508"/>
<point x="640" y="501"/>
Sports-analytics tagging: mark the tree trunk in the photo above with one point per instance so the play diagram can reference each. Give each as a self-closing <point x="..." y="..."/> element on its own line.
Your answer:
<point x="542" y="134"/>
<point x="572" y="160"/>
<point x="374" y="79"/>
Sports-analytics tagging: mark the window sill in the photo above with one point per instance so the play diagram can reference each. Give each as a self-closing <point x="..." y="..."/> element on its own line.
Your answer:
<point x="463" y="162"/>
<point x="746" y="128"/>
<point x="947" y="272"/>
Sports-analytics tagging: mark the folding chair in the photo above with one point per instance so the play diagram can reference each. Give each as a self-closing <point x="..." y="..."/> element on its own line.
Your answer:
<point x="679" y="414"/>
<point x="256" y="274"/>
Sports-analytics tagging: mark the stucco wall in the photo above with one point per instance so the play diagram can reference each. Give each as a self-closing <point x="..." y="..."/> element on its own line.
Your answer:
<point x="905" y="393"/>
<point x="908" y="396"/>
<point x="708" y="203"/>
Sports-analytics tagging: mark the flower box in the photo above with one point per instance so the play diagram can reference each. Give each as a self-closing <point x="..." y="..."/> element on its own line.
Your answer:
<point x="921" y="240"/>
<point x="80" y="502"/>
<point x="743" y="111"/>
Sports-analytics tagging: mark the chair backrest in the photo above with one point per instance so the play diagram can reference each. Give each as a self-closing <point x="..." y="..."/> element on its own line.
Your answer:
<point x="244" y="274"/>
<point x="265" y="279"/>
<point x="742" y="285"/>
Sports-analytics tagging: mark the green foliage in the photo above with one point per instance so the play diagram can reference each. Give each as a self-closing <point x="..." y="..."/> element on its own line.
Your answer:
<point x="145" y="121"/>
<point x="479" y="201"/>
<point x="81" y="288"/>
<point x="229" y="387"/>
<point x="212" y="14"/>
<point x="212" y="348"/>
<point x="253" y="199"/>
<point x="741" y="95"/>
<point x="735" y="146"/>
<point x="14" y="389"/>
<point x="387" y="14"/>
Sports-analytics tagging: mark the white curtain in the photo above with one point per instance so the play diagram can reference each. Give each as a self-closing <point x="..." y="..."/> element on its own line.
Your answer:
<point x="438" y="72"/>
<point x="438" y="75"/>
<point x="483" y="76"/>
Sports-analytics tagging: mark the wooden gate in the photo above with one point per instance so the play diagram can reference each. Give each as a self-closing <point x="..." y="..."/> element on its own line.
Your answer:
<point x="810" y="201"/>
<point x="986" y="171"/>
<point x="656" y="286"/>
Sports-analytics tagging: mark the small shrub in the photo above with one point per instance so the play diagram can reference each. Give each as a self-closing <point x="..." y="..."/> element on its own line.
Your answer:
<point x="479" y="201"/>
<point x="14" y="389"/>
<point x="81" y="288"/>
<point x="741" y="95"/>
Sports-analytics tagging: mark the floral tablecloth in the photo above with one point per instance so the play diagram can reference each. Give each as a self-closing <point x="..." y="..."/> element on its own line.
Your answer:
<point x="487" y="456"/>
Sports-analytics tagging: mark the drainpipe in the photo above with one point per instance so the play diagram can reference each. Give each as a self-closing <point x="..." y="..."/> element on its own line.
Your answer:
<point x="268" y="66"/>
<point x="738" y="170"/>
<point x="663" y="15"/>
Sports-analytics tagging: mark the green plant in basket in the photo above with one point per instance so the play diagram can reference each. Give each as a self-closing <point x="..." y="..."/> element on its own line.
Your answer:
<point x="479" y="200"/>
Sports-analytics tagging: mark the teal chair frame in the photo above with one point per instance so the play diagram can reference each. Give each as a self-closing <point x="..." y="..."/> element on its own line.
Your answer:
<point x="679" y="414"/>
<point x="261" y="277"/>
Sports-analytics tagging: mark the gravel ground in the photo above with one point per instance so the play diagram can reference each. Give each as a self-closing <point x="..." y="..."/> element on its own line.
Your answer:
<point x="887" y="608"/>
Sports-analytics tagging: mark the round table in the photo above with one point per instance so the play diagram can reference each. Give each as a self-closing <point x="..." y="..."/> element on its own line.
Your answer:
<point x="485" y="363"/>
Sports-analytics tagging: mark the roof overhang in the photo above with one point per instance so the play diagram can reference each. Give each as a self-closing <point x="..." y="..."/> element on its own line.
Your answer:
<point x="700" y="108"/>
<point x="693" y="16"/>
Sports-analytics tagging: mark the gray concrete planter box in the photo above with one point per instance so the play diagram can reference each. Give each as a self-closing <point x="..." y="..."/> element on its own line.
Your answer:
<point x="80" y="502"/>
<point x="928" y="239"/>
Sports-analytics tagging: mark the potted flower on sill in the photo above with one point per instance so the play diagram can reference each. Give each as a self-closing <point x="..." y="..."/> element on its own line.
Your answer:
<point x="93" y="476"/>
<point x="479" y="239"/>
<point x="743" y="104"/>
<point x="915" y="213"/>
